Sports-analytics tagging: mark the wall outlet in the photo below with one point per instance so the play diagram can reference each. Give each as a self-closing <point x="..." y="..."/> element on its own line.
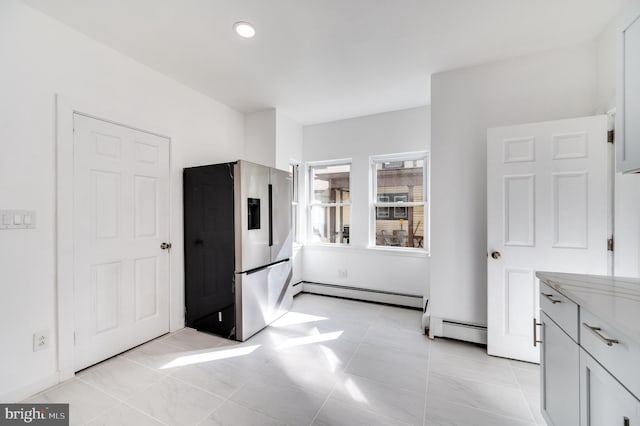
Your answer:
<point x="342" y="273"/>
<point x="41" y="340"/>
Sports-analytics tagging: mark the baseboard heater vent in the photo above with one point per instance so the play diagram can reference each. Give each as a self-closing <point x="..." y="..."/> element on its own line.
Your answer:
<point x="368" y="295"/>
<point x="462" y="331"/>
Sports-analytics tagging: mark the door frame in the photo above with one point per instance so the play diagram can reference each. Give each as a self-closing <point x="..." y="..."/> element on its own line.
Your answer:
<point x="66" y="108"/>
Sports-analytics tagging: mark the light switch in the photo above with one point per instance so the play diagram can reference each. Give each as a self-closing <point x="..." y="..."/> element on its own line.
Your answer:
<point x="17" y="219"/>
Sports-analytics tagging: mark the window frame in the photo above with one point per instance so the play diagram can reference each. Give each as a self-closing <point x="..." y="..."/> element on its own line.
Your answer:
<point x="311" y="204"/>
<point x="392" y="206"/>
<point x="294" y="169"/>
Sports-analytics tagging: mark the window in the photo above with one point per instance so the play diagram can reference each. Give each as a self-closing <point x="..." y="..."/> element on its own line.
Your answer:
<point x="329" y="202"/>
<point x="399" y="200"/>
<point x="294" y="169"/>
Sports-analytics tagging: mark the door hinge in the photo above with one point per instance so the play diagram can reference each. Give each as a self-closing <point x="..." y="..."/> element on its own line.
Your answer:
<point x="611" y="136"/>
<point x="610" y="244"/>
<point x="74" y="338"/>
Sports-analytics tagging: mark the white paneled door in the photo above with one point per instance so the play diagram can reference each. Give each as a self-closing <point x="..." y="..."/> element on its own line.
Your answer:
<point x="121" y="218"/>
<point x="548" y="207"/>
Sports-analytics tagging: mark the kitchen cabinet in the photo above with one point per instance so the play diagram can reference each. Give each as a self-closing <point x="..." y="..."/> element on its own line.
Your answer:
<point x="628" y="97"/>
<point x="590" y="332"/>
<point x="603" y="400"/>
<point x="559" y="362"/>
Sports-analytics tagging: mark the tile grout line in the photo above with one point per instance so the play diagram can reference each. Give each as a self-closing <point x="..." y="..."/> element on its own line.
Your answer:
<point x="371" y="326"/>
<point x="120" y="401"/>
<point x="456" y="402"/>
<point x="426" y="390"/>
<point x="474" y="380"/>
<point x="345" y="371"/>
<point x="526" y="400"/>
<point x="126" y="400"/>
<point x="493" y="413"/>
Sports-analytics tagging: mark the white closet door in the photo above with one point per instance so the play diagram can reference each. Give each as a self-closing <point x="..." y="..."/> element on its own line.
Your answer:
<point x="121" y="218"/>
<point x="548" y="204"/>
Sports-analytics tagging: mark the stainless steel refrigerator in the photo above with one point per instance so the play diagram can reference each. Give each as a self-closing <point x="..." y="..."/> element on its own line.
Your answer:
<point x="237" y="246"/>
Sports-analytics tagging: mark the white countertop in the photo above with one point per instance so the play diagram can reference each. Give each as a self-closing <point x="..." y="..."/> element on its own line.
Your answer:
<point x="614" y="300"/>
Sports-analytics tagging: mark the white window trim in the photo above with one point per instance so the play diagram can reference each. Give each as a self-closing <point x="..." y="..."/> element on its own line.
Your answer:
<point x="310" y="204"/>
<point x="295" y="202"/>
<point x="373" y="186"/>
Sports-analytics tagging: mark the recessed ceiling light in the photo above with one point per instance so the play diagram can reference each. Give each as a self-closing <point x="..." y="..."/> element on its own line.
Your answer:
<point x="244" y="29"/>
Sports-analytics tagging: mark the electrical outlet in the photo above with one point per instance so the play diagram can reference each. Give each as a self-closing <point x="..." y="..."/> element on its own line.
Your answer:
<point x="41" y="340"/>
<point x="342" y="273"/>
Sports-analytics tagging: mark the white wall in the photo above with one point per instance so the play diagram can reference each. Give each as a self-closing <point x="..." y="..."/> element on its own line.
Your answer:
<point x="288" y="141"/>
<point x="40" y="57"/>
<point x="260" y="137"/>
<point x="547" y="86"/>
<point x="289" y="149"/>
<point x="358" y="139"/>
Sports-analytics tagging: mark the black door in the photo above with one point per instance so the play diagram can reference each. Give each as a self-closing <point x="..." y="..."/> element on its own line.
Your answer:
<point x="209" y="248"/>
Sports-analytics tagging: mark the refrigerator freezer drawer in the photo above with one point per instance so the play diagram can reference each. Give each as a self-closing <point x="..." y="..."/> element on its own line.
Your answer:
<point x="262" y="297"/>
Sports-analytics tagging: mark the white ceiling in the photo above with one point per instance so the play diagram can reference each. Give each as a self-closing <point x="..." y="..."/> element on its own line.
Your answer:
<point x="322" y="60"/>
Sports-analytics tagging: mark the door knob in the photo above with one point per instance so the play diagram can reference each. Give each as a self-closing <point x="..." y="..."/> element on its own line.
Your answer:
<point x="495" y="254"/>
<point x="165" y="246"/>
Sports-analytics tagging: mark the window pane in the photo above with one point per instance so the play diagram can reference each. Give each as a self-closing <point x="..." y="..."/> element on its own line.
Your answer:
<point x="400" y="181"/>
<point x="330" y="183"/>
<point x="330" y="224"/>
<point x="400" y="226"/>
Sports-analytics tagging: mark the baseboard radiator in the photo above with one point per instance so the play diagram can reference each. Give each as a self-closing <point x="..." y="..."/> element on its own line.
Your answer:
<point x="467" y="332"/>
<point x="356" y="293"/>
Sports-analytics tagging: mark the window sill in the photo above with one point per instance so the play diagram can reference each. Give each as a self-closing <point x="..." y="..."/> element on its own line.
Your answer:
<point x="400" y="251"/>
<point x="340" y="245"/>
<point x="392" y="251"/>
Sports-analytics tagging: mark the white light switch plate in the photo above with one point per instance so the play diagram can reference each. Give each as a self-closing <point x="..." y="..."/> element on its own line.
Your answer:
<point x="17" y="219"/>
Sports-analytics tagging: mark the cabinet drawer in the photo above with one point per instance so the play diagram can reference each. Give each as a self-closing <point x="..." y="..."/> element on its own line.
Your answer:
<point x="560" y="309"/>
<point x="616" y="352"/>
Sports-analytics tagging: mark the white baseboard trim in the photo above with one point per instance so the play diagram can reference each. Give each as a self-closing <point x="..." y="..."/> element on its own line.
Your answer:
<point x="31" y="389"/>
<point x="456" y="330"/>
<point x="297" y="288"/>
<point x="399" y="299"/>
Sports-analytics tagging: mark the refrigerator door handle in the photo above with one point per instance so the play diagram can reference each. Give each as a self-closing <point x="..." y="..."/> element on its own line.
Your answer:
<point x="270" y="215"/>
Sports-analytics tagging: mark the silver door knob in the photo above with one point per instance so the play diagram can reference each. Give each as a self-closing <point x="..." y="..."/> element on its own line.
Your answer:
<point x="495" y="254"/>
<point x="165" y="246"/>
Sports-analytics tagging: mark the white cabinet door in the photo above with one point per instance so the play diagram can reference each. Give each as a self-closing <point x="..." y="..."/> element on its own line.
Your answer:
<point x="559" y="385"/>
<point x="121" y="218"/>
<point x="603" y="400"/>
<point x="628" y="97"/>
<point x="547" y="207"/>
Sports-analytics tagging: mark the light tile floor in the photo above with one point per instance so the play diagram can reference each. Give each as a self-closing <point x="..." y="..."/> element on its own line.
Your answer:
<point x="327" y="362"/>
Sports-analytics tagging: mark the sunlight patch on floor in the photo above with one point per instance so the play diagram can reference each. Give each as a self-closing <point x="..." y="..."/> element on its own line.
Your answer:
<point x="355" y="392"/>
<point x="307" y="340"/>
<point x="292" y="318"/>
<point x="210" y="356"/>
